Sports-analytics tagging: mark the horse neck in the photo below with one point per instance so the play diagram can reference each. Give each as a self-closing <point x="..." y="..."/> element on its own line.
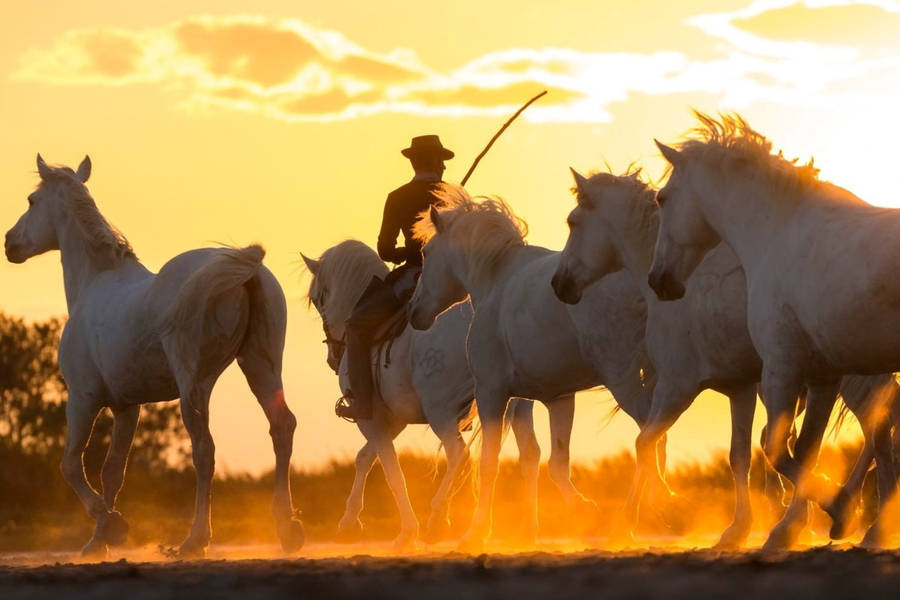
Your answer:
<point x="635" y="244"/>
<point x="480" y="288"/>
<point x="79" y="267"/>
<point x="746" y="214"/>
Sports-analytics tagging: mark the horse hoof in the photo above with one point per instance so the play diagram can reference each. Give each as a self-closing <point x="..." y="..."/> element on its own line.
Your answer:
<point x="733" y="537"/>
<point x="292" y="536"/>
<point x="113" y="529"/>
<point x="350" y="530"/>
<point x="874" y="538"/>
<point x="405" y="541"/>
<point x="191" y="550"/>
<point x="782" y="537"/>
<point x="844" y="517"/>
<point x="95" y="549"/>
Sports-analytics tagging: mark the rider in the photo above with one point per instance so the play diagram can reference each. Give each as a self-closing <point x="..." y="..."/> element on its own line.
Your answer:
<point x="383" y="298"/>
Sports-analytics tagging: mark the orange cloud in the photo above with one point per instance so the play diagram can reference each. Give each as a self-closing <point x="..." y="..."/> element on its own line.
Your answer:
<point x="290" y="70"/>
<point x="110" y="53"/>
<point x="254" y="52"/>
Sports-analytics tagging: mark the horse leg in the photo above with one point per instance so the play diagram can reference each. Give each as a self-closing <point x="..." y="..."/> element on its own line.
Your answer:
<point x="887" y="481"/>
<point x="522" y="421"/>
<point x="843" y="508"/>
<point x="195" y="416"/>
<point x="798" y="469"/>
<point x="110" y="527"/>
<point x="381" y="433"/>
<point x="265" y="383"/>
<point x="743" y="405"/>
<point x="113" y="473"/>
<point x="455" y="449"/>
<point x="668" y="404"/>
<point x="350" y="522"/>
<point x="775" y="489"/>
<point x="492" y="406"/>
<point x="562" y="414"/>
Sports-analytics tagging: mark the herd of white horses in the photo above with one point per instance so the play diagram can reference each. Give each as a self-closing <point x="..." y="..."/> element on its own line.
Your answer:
<point x="744" y="274"/>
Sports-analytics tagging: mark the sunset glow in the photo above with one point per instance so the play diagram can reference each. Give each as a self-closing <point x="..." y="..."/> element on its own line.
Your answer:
<point x="214" y="122"/>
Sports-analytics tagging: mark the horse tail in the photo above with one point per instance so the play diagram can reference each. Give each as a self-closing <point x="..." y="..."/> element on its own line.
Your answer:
<point x="190" y="318"/>
<point x="866" y="392"/>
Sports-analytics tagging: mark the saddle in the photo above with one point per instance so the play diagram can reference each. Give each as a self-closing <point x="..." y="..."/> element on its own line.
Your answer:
<point x="390" y="330"/>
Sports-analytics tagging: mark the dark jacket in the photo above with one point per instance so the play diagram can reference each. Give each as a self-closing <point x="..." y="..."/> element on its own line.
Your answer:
<point x="401" y="208"/>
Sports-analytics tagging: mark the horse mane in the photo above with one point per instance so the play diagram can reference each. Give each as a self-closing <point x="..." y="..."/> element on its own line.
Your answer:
<point x="346" y="269"/>
<point x="642" y="206"/>
<point x="104" y="241"/>
<point x="729" y="139"/>
<point x="486" y="227"/>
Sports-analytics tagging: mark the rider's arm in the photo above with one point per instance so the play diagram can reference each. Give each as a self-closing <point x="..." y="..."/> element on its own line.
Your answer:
<point x="387" y="237"/>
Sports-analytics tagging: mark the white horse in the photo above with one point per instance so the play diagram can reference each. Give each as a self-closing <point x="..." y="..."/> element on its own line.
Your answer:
<point x="135" y="337"/>
<point x="823" y="295"/>
<point x="523" y="341"/>
<point x="697" y="342"/>
<point x="426" y="380"/>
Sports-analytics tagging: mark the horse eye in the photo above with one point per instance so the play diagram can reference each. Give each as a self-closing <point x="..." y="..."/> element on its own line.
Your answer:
<point x="660" y="198"/>
<point x="30" y="201"/>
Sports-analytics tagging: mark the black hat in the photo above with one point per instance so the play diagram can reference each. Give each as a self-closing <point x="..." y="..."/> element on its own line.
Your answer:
<point x="427" y="144"/>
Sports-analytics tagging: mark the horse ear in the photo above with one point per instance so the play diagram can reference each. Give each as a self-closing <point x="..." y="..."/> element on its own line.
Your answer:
<point x="435" y="217"/>
<point x="669" y="153"/>
<point x="43" y="170"/>
<point x="580" y="179"/>
<point x="84" y="169"/>
<point x="311" y="264"/>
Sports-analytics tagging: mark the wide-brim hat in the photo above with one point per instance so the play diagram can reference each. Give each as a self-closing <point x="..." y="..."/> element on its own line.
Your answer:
<point x="427" y="145"/>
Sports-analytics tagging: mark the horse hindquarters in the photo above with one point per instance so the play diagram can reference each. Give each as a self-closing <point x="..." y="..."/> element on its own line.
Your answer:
<point x="202" y="331"/>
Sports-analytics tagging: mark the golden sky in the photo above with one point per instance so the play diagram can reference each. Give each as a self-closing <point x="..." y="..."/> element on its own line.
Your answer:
<point x="281" y="122"/>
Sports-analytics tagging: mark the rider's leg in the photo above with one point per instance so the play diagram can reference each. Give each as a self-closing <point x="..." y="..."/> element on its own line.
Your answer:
<point x="377" y="304"/>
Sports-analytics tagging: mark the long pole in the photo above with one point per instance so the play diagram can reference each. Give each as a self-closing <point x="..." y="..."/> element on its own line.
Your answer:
<point x="496" y="135"/>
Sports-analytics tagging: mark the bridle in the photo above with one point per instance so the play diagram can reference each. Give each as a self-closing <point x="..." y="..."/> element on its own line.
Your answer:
<point x="335" y="346"/>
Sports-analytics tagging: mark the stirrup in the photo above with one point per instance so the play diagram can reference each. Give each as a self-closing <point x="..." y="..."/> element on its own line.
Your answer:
<point x="343" y="403"/>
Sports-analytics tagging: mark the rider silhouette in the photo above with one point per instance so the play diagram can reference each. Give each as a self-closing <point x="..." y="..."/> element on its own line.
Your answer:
<point x="383" y="298"/>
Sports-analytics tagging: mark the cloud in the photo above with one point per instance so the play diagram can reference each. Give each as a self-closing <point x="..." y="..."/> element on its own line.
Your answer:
<point x="252" y="52"/>
<point x="292" y="71"/>
<point x="844" y="24"/>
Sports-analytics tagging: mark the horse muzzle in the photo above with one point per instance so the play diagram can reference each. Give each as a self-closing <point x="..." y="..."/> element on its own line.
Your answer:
<point x="14" y="252"/>
<point x="665" y="285"/>
<point x="565" y="289"/>
<point x="418" y="319"/>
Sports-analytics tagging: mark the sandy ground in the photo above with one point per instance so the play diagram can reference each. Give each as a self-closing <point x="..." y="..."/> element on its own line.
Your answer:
<point x="370" y="571"/>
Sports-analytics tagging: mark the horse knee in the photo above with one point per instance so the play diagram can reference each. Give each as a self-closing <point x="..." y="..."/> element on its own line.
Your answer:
<point x="282" y="422"/>
<point x="529" y="450"/>
<point x="283" y="427"/>
<point x="72" y="468"/>
<point x="558" y="467"/>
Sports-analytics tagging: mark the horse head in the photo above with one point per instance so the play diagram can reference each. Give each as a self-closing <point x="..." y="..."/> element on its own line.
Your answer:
<point x="684" y="235"/>
<point x="36" y="231"/>
<point x="603" y="206"/>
